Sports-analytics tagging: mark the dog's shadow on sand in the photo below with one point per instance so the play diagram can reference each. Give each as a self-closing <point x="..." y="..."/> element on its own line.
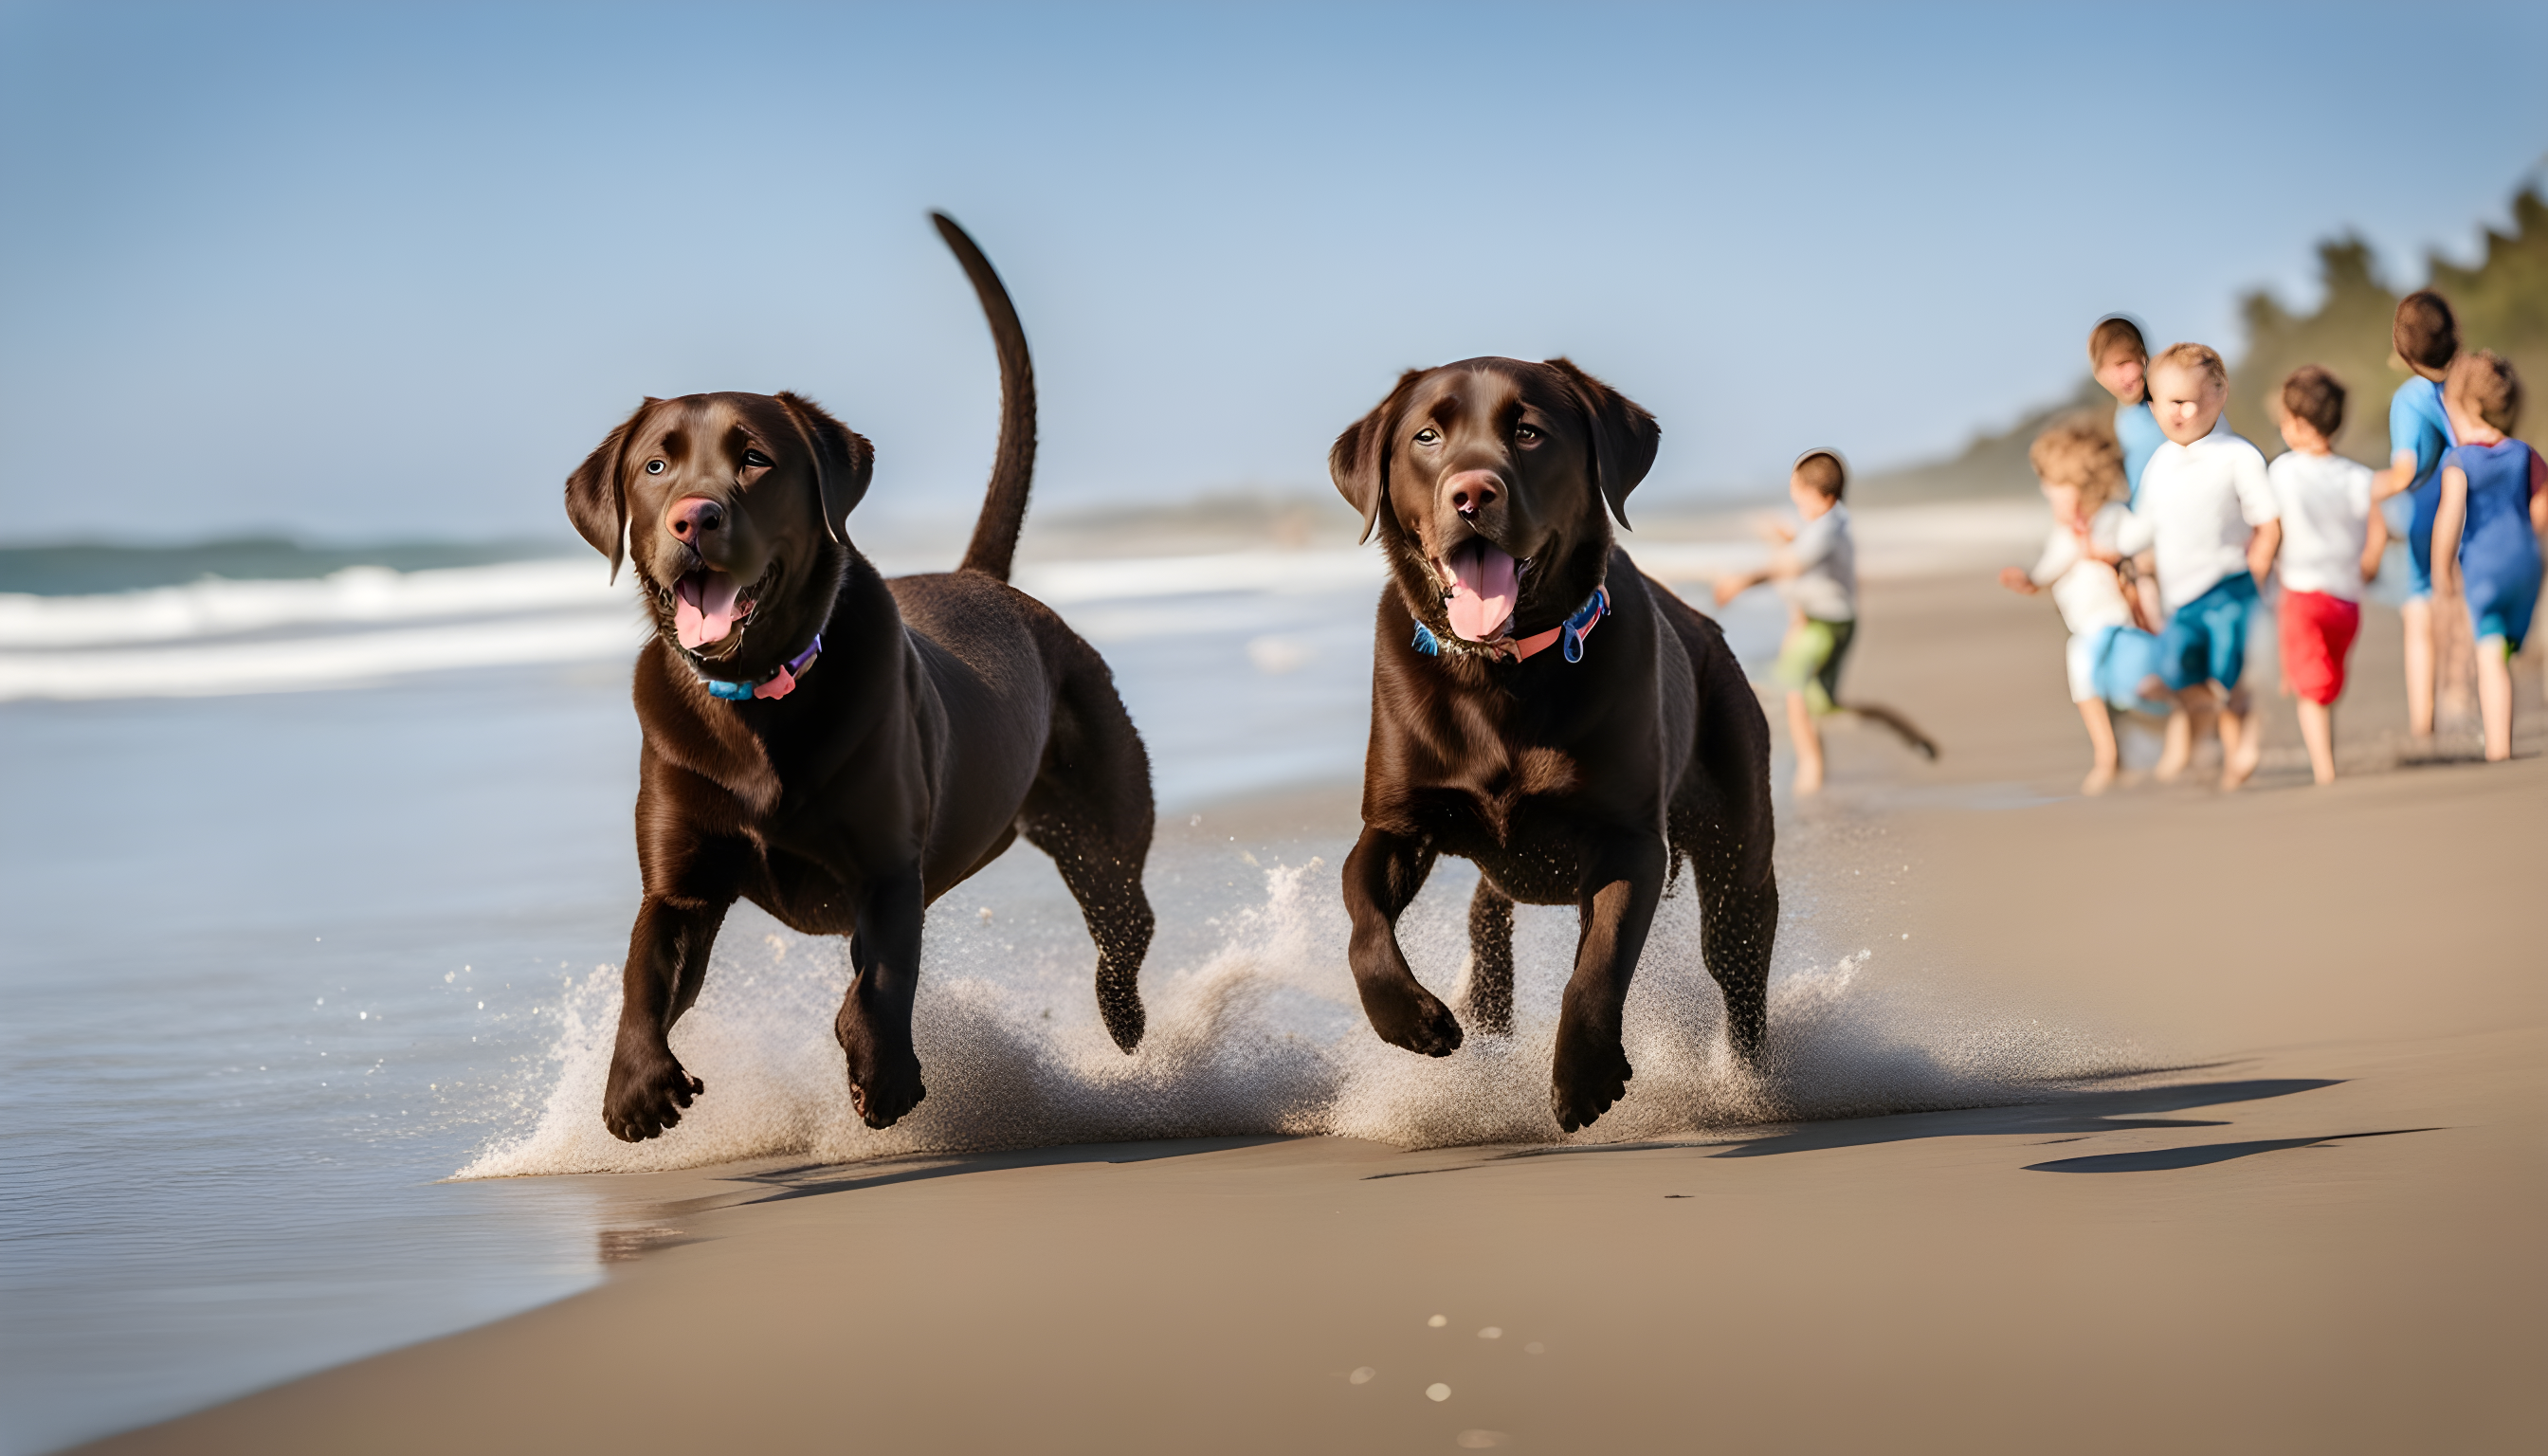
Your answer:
<point x="2067" y="1116"/>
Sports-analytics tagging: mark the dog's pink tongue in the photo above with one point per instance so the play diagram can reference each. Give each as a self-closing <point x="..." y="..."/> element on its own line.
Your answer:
<point x="1482" y="592"/>
<point x="703" y="607"/>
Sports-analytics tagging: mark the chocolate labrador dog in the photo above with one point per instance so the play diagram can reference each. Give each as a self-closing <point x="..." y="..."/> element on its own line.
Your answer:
<point x="1543" y="709"/>
<point x="839" y="749"/>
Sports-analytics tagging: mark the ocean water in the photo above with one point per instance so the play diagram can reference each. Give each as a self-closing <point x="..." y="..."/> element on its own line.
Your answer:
<point x="318" y="889"/>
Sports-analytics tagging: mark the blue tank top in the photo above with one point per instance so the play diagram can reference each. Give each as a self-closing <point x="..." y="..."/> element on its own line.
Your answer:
<point x="2417" y="422"/>
<point x="2498" y="548"/>
<point x="2138" y="431"/>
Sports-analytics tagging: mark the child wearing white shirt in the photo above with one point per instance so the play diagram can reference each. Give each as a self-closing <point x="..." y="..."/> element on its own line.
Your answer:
<point x="2207" y="513"/>
<point x="2331" y="544"/>
<point x="2083" y="472"/>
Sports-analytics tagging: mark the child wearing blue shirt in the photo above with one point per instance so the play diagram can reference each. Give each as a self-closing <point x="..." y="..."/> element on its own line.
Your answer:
<point x="2486" y="522"/>
<point x="2427" y="338"/>
<point x="2119" y="358"/>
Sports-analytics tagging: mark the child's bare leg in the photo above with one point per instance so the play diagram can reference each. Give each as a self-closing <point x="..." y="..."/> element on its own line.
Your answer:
<point x="2243" y="740"/>
<point x="2318" y="730"/>
<point x="1808" y="738"/>
<point x="2101" y="740"/>
<point x="2495" y="696"/>
<point x="2199" y="710"/>
<point x="2418" y="615"/>
<point x="2176" y="749"/>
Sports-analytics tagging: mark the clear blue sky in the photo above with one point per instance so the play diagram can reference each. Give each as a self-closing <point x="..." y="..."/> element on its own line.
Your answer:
<point x="380" y="270"/>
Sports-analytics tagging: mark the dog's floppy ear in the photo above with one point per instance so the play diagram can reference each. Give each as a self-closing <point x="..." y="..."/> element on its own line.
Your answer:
<point x="1625" y="435"/>
<point x="1359" y="461"/>
<point x="844" y="461"/>
<point x="596" y="495"/>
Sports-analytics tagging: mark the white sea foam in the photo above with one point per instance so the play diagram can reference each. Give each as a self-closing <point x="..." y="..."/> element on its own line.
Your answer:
<point x="1265" y="1036"/>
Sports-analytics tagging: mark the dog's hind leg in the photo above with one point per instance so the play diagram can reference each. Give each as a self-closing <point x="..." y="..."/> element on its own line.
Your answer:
<point x="1104" y="875"/>
<point x="1090" y="810"/>
<point x="1489" y="999"/>
<point x="1726" y="825"/>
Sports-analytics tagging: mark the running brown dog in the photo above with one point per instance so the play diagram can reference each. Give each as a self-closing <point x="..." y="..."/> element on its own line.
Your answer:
<point x="1542" y="708"/>
<point x="839" y="749"/>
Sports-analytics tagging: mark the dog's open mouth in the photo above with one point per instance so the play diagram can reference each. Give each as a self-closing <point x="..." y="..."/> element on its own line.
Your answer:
<point x="1483" y="585"/>
<point x="709" y="606"/>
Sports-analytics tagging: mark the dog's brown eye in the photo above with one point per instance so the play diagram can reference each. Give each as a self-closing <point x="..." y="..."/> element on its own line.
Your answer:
<point x="654" y="467"/>
<point x="1428" y="437"/>
<point x="754" y="460"/>
<point x="1526" y="433"/>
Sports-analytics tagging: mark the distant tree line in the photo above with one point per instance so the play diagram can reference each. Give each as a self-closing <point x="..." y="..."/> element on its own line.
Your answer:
<point x="2502" y="303"/>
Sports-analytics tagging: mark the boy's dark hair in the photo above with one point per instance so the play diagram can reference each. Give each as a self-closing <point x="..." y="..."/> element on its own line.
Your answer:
<point x="1823" y="470"/>
<point x="2316" y="398"/>
<point x="2116" y="331"/>
<point x="2483" y="384"/>
<point x="2424" y="332"/>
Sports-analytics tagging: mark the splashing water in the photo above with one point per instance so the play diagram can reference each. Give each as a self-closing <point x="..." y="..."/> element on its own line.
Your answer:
<point x="1265" y="1036"/>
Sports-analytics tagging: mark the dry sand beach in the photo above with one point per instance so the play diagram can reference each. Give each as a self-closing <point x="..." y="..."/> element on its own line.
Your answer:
<point x="2303" y="1216"/>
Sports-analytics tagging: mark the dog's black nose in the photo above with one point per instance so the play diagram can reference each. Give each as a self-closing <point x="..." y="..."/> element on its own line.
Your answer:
<point x="695" y="516"/>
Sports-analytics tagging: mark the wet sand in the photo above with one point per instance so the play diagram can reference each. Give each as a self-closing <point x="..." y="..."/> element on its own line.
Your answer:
<point x="2316" y="1228"/>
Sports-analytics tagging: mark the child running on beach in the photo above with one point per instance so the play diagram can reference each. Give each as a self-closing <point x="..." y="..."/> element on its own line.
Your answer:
<point x="2332" y="545"/>
<point x="2485" y="529"/>
<point x="1815" y="568"/>
<point x="2427" y="338"/>
<point x="2081" y="471"/>
<point x="2207" y="514"/>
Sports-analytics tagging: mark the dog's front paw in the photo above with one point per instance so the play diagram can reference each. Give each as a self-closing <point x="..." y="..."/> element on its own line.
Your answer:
<point x="1410" y="1016"/>
<point x="647" y="1092"/>
<point x="1590" y="1076"/>
<point x="884" y="1080"/>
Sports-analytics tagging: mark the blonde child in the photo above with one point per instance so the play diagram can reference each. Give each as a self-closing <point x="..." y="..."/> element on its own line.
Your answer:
<point x="2081" y="471"/>
<point x="2332" y="545"/>
<point x="2485" y="529"/>
<point x="2207" y="517"/>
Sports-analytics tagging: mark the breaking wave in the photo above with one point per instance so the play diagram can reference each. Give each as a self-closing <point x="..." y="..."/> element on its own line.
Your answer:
<point x="1264" y="1036"/>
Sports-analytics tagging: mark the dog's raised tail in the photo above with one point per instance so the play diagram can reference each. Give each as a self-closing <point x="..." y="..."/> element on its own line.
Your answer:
<point x="995" y="534"/>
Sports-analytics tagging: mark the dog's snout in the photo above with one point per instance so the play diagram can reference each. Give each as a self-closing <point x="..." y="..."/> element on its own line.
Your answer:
<point x="695" y="516"/>
<point x="1472" y="491"/>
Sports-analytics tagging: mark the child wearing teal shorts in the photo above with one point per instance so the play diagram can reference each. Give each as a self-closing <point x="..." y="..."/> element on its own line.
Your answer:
<point x="2209" y="517"/>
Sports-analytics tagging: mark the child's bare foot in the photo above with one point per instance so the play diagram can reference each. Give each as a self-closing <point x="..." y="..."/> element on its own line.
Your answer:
<point x="2238" y="768"/>
<point x="2099" y="780"/>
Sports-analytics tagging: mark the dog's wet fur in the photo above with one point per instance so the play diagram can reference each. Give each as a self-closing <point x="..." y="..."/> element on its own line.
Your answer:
<point x="947" y="715"/>
<point x="1586" y="782"/>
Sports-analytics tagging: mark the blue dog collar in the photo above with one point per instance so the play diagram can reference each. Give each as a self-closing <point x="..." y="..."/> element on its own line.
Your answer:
<point x="1570" y="634"/>
<point x="778" y="685"/>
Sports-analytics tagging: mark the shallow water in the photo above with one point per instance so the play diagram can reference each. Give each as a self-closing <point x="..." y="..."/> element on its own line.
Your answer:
<point x="279" y="964"/>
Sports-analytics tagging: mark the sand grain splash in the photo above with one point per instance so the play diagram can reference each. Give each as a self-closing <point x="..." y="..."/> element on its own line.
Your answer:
<point x="1266" y="1037"/>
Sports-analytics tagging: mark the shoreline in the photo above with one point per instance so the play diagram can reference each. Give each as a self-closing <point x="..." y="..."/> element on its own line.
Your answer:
<point x="2316" y="1233"/>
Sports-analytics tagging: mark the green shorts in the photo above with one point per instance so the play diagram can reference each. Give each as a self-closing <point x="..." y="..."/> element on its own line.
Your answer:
<point x="1809" y="662"/>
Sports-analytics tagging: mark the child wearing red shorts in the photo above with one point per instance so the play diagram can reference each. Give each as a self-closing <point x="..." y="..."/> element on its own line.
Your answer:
<point x="2331" y="544"/>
